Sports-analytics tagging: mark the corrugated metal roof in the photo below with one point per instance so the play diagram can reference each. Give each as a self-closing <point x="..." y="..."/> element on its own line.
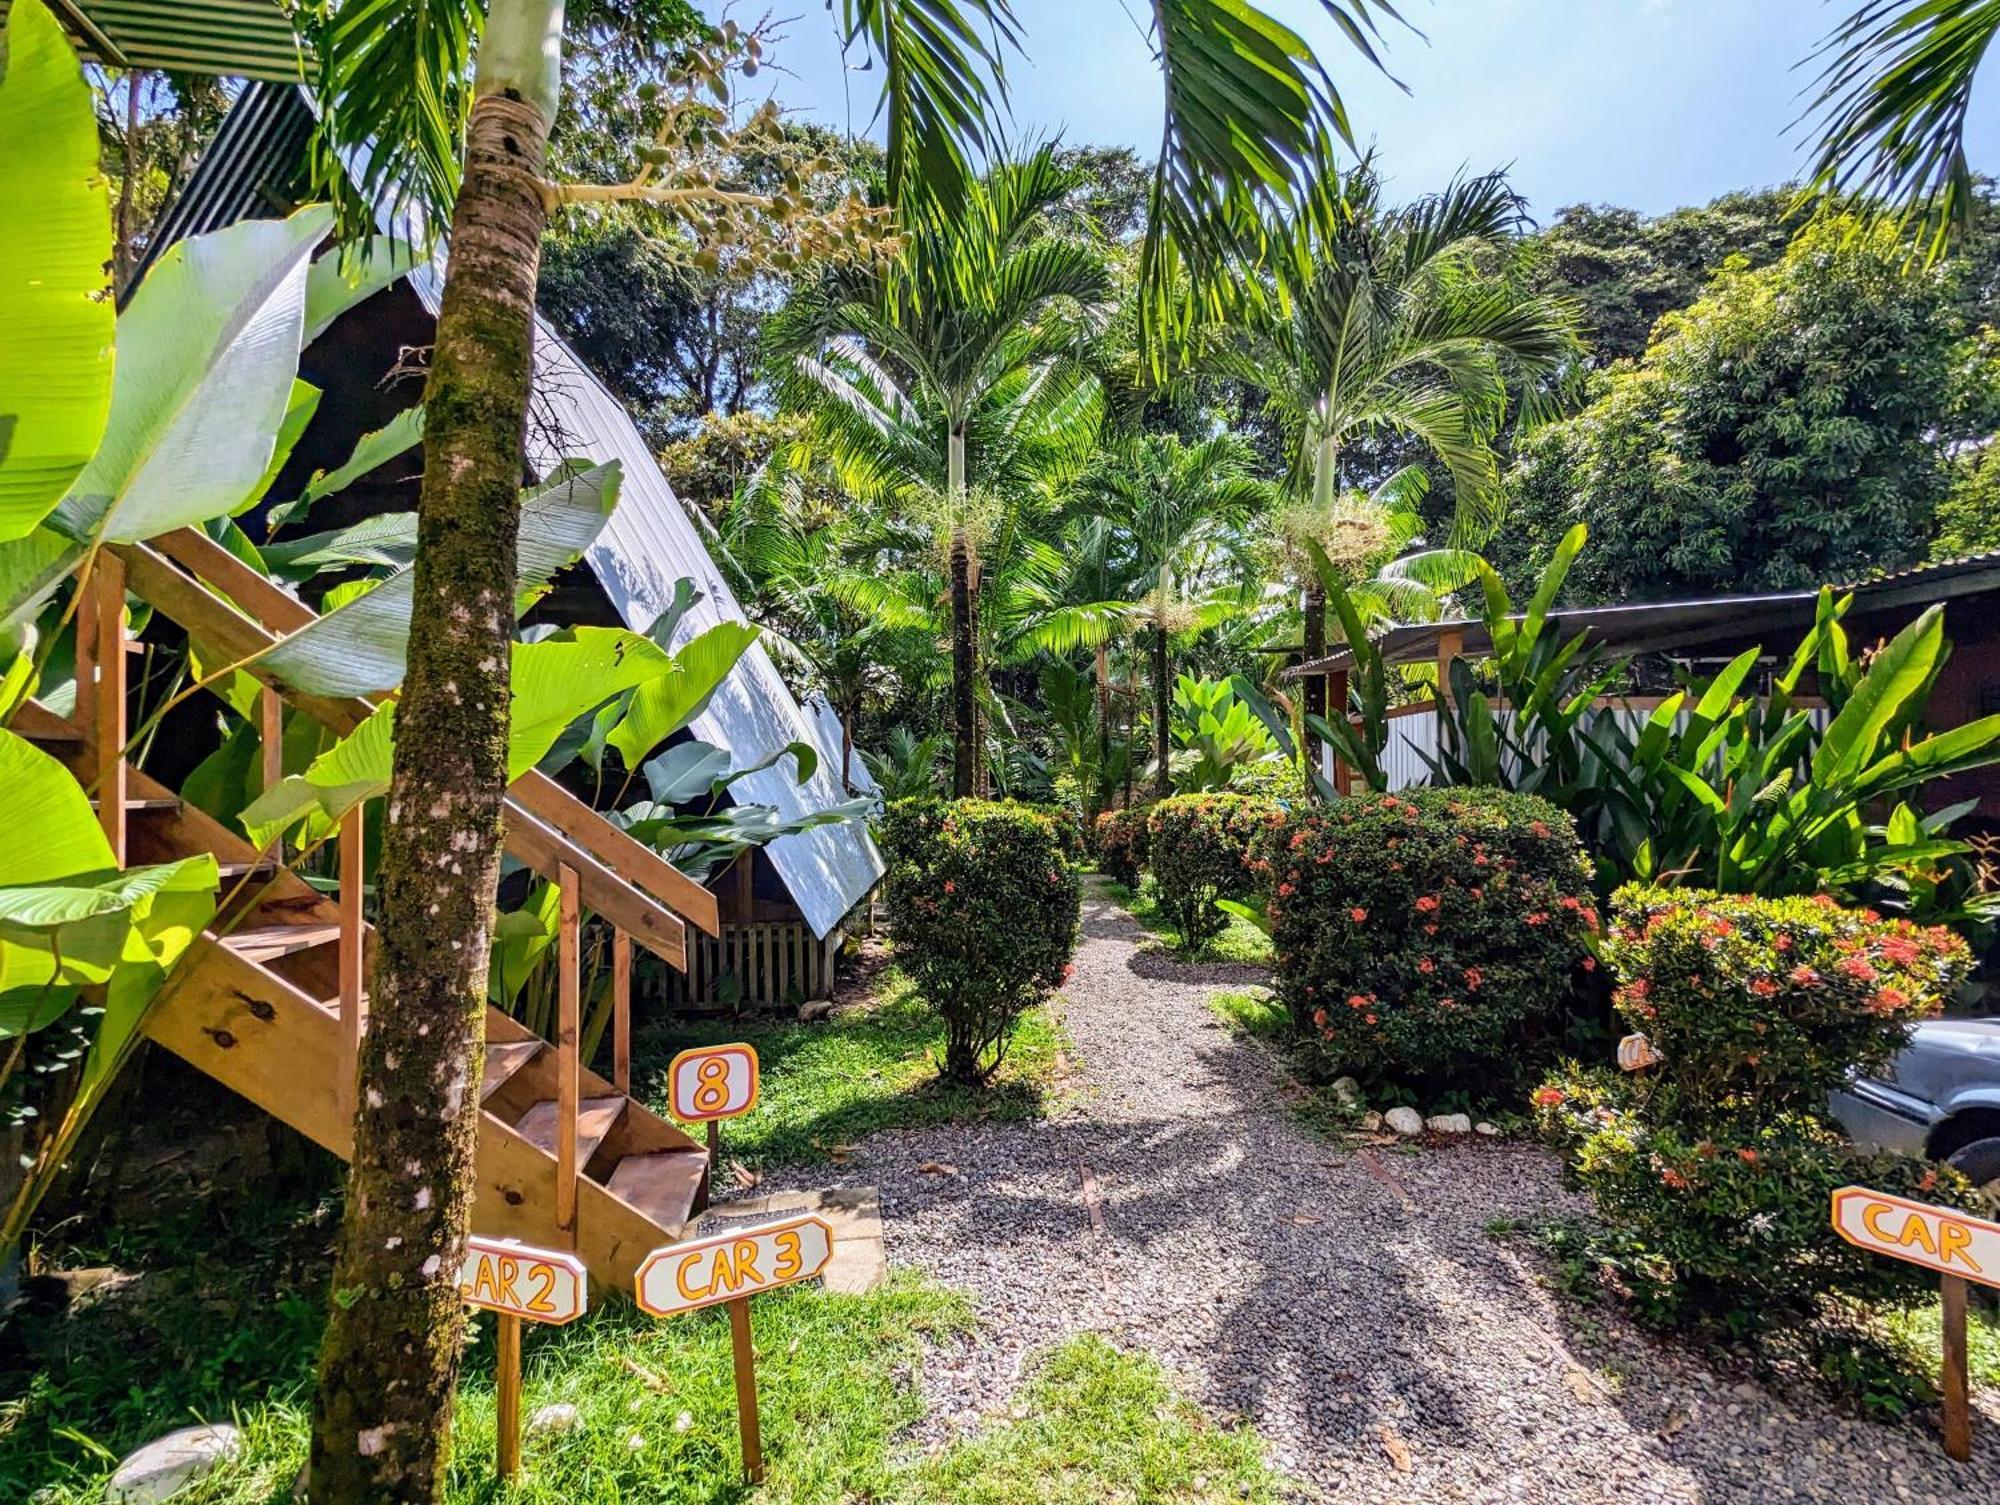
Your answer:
<point x="648" y="544"/>
<point x="1678" y="626"/>
<point x="232" y="38"/>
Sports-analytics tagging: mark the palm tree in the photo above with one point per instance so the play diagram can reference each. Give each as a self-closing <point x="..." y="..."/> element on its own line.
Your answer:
<point x="1891" y="109"/>
<point x="1402" y="321"/>
<point x="973" y="320"/>
<point x="399" y="122"/>
<point x="1178" y="509"/>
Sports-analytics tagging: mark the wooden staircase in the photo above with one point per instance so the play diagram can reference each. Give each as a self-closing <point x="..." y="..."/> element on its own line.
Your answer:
<point x="271" y="1000"/>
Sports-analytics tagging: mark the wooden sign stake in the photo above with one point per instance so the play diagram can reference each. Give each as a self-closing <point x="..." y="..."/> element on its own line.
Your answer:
<point x="514" y="1282"/>
<point x="510" y="1396"/>
<point x="1956" y="1388"/>
<point x="1956" y="1245"/>
<point x="746" y="1388"/>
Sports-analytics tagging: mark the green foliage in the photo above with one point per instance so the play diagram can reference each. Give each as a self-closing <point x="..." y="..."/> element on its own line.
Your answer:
<point x="1121" y="839"/>
<point x="55" y="344"/>
<point x="983" y="907"/>
<point x="1198" y="846"/>
<point x="1787" y="429"/>
<point x="1714" y="1169"/>
<point x="907" y="766"/>
<point x="1217" y="735"/>
<point x="1436" y="939"/>
<point x="1968" y="519"/>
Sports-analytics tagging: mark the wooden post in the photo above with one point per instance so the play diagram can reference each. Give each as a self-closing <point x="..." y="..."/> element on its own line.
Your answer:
<point x="509" y="1365"/>
<point x="1451" y="643"/>
<point x="621" y="1012"/>
<point x="85" y="633"/>
<point x="568" y="963"/>
<point x="271" y="717"/>
<point x="351" y="957"/>
<point x="1336" y="705"/>
<point x="708" y="1173"/>
<point x="746" y="1387"/>
<point x="1956" y="1390"/>
<point x="108" y="597"/>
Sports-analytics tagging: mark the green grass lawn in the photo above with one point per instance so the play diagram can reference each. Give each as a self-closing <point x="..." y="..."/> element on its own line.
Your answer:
<point x="874" y="1067"/>
<point x="222" y="1315"/>
<point x="1239" y="942"/>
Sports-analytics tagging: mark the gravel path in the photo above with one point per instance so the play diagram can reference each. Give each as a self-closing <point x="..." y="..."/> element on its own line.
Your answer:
<point x="1350" y="1304"/>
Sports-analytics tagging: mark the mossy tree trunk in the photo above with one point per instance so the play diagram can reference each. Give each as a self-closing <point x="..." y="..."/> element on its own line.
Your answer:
<point x="1163" y="709"/>
<point x="1312" y="604"/>
<point x="390" y="1356"/>
<point x="964" y="629"/>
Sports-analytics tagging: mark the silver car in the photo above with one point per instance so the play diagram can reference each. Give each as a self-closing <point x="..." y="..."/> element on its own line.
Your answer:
<point x="1938" y="1100"/>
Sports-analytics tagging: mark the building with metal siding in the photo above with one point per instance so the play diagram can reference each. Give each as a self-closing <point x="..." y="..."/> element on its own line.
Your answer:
<point x="252" y="169"/>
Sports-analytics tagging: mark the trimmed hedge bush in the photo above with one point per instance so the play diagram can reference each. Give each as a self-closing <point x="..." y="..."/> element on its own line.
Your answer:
<point x="1713" y="1169"/>
<point x="1198" y="847"/>
<point x="983" y="906"/>
<point x="1121" y="844"/>
<point x="1433" y="938"/>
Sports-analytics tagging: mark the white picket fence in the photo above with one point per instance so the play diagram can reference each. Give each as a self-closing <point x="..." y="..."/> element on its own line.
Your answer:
<point x="1413" y="733"/>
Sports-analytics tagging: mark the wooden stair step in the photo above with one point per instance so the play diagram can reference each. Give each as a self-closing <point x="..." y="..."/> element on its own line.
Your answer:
<point x="663" y="1186"/>
<point x="262" y="868"/>
<point x="263" y="943"/>
<point x="140" y="807"/>
<point x="503" y="1060"/>
<point x="63" y="735"/>
<point x="595" y="1118"/>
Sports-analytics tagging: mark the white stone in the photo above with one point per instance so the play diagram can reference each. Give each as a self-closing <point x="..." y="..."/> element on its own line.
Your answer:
<point x="558" y="1416"/>
<point x="1449" y="1123"/>
<point x="1347" y="1092"/>
<point x="1483" y="1127"/>
<point x="1404" y="1120"/>
<point x="167" y="1465"/>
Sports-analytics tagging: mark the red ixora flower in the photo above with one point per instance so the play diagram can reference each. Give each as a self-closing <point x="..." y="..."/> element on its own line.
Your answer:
<point x="1549" y="1097"/>
<point x="1858" y="967"/>
<point x="1590" y="964"/>
<point x="1286" y="890"/>
<point x="1319" y="1018"/>
<point x="1763" y="987"/>
<point x="1425" y="964"/>
<point x="1901" y="950"/>
<point x="950" y="887"/>
<point x="1357" y="914"/>
<point x="1675" y="1179"/>
<point x="1539" y="827"/>
<point x="1356" y="1001"/>
<point x="1747" y="1155"/>
<point x="1426" y="903"/>
<point x="1888" y="1000"/>
<point x="1538" y="918"/>
<point x="1474" y="977"/>
<point x="1804" y="976"/>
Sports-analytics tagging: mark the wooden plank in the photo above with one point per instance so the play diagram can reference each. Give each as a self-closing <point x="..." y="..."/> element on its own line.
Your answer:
<point x="109" y="599"/>
<point x="621" y="1011"/>
<point x="1955" y="1390"/>
<point x="271" y="715"/>
<point x="86" y="659"/>
<point x="553" y="805"/>
<point x="568" y="963"/>
<point x="508" y="1363"/>
<point x="352" y="968"/>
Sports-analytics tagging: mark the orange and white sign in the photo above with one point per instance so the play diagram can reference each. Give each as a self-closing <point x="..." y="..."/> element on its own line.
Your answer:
<point x="540" y="1285"/>
<point x="1938" y="1238"/>
<point x="719" y="1081"/>
<point x="759" y="1257"/>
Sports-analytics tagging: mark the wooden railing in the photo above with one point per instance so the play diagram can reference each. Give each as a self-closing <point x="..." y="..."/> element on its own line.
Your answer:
<point x="236" y="613"/>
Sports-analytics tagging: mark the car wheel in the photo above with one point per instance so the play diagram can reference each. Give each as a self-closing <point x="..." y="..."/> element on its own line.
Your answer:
<point x="1979" y="1163"/>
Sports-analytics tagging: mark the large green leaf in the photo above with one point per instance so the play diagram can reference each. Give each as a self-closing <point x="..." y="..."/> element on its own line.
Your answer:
<point x="55" y="259"/>
<point x="358" y="649"/>
<point x="31" y="569"/>
<point x="1894" y="676"/>
<point x="555" y="681"/>
<point x="51" y="830"/>
<point x="370" y="451"/>
<point x="207" y="351"/>
<point x="663" y="706"/>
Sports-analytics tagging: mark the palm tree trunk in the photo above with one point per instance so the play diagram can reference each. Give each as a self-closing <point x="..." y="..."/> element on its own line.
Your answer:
<point x="390" y="1356"/>
<point x="1162" y="709"/>
<point x="848" y="713"/>
<point x="964" y="665"/>
<point x="1312" y="603"/>
<point x="1096" y="797"/>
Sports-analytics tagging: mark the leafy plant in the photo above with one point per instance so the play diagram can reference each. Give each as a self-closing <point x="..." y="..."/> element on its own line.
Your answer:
<point x="1217" y="734"/>
<point x="1198" y="846"/>
<point x="1435" y="939"/>
<point x="907" y="766"/>
<point x="1123" y="840"/>
<point x="1712" y="1170"/>
<point x="74" y="926"/>
<point x="983" y="908"/>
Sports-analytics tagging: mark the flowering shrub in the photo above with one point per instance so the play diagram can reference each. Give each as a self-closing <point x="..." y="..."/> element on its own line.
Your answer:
<point x="1199" y="849"/>
<point x="1714" y="1169"/>
<point x="983" y="907"/>
<point x="1433" y="937"/>
<point x="1121" y="844"/>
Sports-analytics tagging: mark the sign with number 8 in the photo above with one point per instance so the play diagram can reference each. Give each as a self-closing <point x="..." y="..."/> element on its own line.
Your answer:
<point x="718" y="1081"/>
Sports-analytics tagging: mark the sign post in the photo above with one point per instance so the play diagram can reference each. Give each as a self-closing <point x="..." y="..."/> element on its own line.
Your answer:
<point x="708" y="1085"/>
<point x="1958" y="1247"/>
<point x="519" y="1284"/>
<point x="731" y="1268"/>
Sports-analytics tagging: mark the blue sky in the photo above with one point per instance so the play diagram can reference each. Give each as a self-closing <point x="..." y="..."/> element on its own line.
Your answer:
<point x="1648" y="103"/>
